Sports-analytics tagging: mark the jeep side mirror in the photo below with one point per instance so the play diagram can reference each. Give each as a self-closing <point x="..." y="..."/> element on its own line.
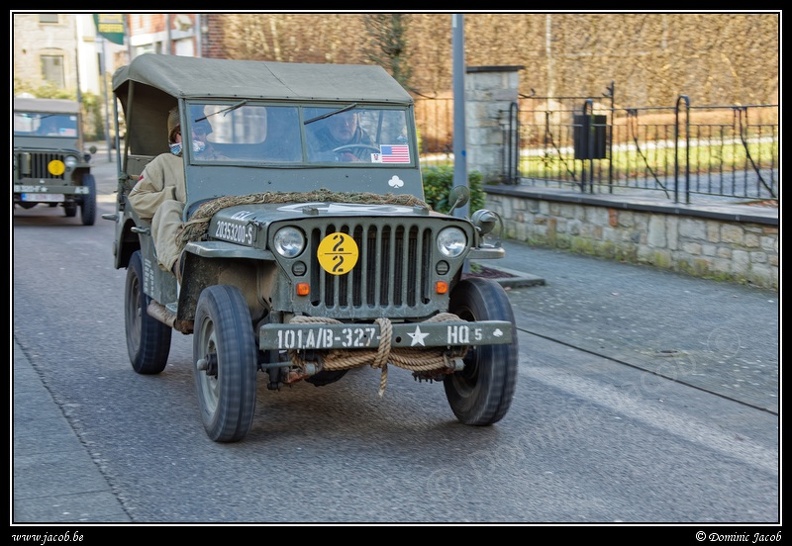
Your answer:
<point x="458" y="197"/>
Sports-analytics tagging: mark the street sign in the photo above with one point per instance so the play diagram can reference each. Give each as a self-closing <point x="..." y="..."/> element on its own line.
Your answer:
<point x="111" y="26"/>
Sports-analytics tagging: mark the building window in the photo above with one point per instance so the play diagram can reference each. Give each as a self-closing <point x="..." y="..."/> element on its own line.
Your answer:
<point x="52" y="70"/>
<point x="155" y="47"/>
<point x="185" y="47"/>
<point x="48" y="18"/>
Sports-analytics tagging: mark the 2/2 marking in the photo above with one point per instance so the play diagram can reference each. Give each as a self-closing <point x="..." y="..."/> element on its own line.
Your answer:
<point x="337" y="253"/>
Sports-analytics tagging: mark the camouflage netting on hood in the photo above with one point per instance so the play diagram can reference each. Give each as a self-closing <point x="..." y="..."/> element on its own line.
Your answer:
<point x="195" y="229"/>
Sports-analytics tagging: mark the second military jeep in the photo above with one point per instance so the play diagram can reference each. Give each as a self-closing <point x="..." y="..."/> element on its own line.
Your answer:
<point x="300" y="262"/>
<point x="50" y="166"/>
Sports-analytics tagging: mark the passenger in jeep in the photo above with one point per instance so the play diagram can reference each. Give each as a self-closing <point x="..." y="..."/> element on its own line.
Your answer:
<point x="159" y="194"/>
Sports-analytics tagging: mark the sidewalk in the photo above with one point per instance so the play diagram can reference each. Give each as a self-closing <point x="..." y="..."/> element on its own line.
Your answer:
<point x="55" y="479"/>
<point x="715" y="336"/>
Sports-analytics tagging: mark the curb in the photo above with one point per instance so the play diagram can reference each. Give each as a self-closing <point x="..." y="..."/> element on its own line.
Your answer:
<point x="511" y="277"/>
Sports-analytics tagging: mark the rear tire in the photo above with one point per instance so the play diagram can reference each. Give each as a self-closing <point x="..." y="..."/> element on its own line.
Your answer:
<point x="482" y="392"/>
<point x="88" y="205"/>
<point x="148" y="340"/>
<point x="225" y="362"/>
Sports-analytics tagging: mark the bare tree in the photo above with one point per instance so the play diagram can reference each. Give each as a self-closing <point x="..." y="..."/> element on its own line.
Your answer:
<point x="714" y="58"/>
<point x="387" y="44"/>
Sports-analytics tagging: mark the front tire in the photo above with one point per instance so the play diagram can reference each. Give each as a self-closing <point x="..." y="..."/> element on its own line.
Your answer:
<point x="225" y="363"/>
<point x="148" y="340"/>
<point x="88" y="205"/>
<point x="482" y="392"/>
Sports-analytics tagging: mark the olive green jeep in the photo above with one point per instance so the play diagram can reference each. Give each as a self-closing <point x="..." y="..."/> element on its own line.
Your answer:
<point x="301" y="262"/>
<point x="50" y="166"/>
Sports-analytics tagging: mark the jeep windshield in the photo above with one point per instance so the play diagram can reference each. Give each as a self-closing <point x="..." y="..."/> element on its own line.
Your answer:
<point x="272" y="134"/>
<point x="45" y="124"/>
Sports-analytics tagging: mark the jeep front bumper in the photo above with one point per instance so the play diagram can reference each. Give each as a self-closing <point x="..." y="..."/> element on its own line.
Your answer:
<point x="368" y="336"/>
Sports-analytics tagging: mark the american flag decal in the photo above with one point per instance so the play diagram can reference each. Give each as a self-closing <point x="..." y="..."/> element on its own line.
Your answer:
<point x="395" y="153"/>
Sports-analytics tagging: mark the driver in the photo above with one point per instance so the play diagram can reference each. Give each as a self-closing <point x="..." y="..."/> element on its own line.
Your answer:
<point x="341" y="130"/>
<point x="49" y="126"/>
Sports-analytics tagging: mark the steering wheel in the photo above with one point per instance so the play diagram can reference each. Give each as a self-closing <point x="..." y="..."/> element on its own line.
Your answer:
<point x="347" y="147"/>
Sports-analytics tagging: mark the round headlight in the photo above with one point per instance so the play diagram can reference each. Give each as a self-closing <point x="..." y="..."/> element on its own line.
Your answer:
<point x="451" y="242"/>
<point x="70" y="161"/>
<point x="289" y="242"/>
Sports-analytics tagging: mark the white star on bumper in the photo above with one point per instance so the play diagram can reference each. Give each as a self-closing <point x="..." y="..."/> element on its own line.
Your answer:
<point x="417" y="337"/>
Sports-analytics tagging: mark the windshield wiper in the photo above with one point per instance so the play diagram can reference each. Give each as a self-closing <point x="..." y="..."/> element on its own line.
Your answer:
<point x="327" y="115"/>
<point x="231" y="108"/>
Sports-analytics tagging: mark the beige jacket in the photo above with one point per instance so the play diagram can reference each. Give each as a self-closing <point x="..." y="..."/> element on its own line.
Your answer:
<point x="162" y="180"/>
<point x="159" y="195"/>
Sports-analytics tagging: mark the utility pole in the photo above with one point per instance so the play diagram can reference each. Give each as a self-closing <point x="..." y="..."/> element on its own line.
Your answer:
<point x="460" y="139"/>
<point x="103" y="81"/>
<point x="77" y="64"/>
<point x="460" y="145"/>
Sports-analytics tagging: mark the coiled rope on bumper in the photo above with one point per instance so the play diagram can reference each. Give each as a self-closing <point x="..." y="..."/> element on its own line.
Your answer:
<point x="409" y="358"/>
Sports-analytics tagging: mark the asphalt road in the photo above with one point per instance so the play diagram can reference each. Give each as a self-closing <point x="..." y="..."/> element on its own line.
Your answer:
<point x="643" y="397"/>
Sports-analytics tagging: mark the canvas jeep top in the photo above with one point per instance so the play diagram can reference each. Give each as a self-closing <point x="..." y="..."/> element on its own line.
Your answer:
<point x="302" y="261"/>
<point x="50" y="166"/>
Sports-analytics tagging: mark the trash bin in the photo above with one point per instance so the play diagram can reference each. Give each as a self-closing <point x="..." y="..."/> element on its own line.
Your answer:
<point x="590" y="136"/>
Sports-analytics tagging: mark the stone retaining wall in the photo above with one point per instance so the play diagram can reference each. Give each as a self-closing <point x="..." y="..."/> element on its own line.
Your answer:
<point x="731" y="243"/>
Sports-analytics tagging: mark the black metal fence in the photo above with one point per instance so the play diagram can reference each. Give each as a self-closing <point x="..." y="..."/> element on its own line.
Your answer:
<point x="588" y="143"/>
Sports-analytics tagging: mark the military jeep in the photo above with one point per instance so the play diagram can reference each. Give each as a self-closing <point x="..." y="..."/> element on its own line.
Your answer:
<point x="301" y="263"/>
<point x="50" y="166"/>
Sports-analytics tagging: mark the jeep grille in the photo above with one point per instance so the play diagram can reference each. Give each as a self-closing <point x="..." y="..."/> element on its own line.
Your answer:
<point x="34" y="164"/>
<point x="393" y="271"/>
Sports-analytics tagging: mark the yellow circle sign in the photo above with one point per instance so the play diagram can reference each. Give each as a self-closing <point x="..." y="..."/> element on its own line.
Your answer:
<point x="56" y="167"/>
<point x="337" y="253"/>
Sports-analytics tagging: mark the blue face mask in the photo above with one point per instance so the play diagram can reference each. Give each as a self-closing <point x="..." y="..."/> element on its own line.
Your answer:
<point x="176" y="148"/>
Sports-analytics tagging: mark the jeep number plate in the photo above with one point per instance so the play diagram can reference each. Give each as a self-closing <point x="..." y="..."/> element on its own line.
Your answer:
<point x="366" y="336"/>
<point x="43" y="197"/>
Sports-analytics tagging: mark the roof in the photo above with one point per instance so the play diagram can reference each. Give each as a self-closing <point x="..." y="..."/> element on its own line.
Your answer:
<point x="192" y="77"/>
<point x="48" y="106"/>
